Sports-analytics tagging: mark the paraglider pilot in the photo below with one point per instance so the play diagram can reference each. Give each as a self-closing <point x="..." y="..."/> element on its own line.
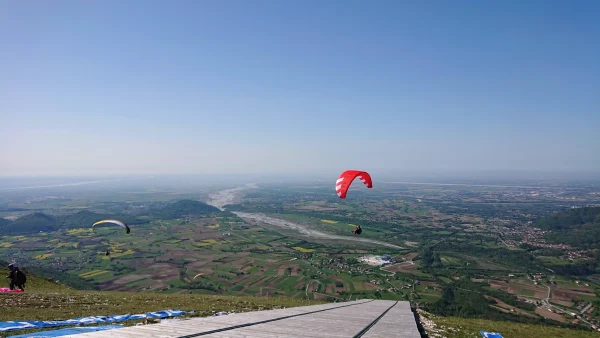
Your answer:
<point x="345" y="180"/>
<point x="16" y="277"/>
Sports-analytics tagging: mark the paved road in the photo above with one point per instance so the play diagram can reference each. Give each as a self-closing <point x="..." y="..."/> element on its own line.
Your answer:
<point x="558" y="309"/>
<point x="587" y="307"/>
<point x="364" y="318"/>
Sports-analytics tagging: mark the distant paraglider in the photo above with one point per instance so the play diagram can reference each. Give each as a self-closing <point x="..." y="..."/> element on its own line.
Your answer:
<point x="198" y="275"/>
<point x="113" y="221"/>
<point x="343" y="182"/>
<point x="358" y="230"/>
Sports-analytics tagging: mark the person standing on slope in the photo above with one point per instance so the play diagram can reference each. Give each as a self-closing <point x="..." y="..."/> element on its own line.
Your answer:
<point x="17" y="277"/>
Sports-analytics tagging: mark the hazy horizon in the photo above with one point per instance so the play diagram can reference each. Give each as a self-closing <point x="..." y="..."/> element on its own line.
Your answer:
<point x="381" y="177"/>
<point x="269" y="88"/>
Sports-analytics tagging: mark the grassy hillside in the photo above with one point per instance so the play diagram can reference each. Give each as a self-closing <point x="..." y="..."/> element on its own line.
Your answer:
<point x="30" y="223"/>
<point x="46" y="300"/>
<point x="39" y="285"/>
<point x="64" y="278"/>
<point x="577" y="227"/>
<point x="82" y="219"/>
<point x="570" y="219"/>
<point x="37" y="222"/>
<point x="34" y="282"/>
<point x="453" y="327"/>
<point x="464" y="328"/>
<point x="50" y="303"/>
<point x="85" y="219"/>
<point x="42" y="222"/>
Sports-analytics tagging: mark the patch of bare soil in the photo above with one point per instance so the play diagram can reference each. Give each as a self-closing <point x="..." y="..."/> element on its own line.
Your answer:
<point x="561" y="302"/>
<point x="369" y="286"/>
<point x="509" y="308"/>
<point x="316" y="208"/>
<point x="196" y="264"/>
<point x="517" y="288"/>
<point x="550" y="315"/>
<point x="319" y="296"/>
<point x="404" y="267"/>
<point x="129" y="278"/>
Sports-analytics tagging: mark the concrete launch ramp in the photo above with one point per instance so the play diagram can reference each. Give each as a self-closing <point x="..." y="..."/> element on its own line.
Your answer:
<point x="363" y="318"/>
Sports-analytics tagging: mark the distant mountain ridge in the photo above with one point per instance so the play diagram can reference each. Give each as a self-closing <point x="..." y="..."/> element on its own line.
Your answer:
<point x="3" y="222"/>
<point x="38" y="221"/>
<point x="578" y="227"/>
<point x="86" y="218"/>
<point x="184" y="208"/>
<point x="31" y="223"/>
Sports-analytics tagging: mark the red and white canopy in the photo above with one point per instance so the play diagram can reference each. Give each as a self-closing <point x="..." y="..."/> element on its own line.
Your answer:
<point x="343" y="182"/>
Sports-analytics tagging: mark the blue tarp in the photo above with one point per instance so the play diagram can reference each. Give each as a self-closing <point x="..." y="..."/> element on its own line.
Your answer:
<point x="490" y="334"/>
<point x="23" y="325"/>
<point x="69" y="331"/>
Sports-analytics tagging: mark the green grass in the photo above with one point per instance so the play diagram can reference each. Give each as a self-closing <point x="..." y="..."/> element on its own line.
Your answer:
<point x="358" y="286"/>
<point x="452" y="261"/>
<point x="282" y="282"/>
<point x="287" y="283"/>
<point x="348" y="281"/>
<point x="177" y="283"/>
<point x="553" y="260"/>
<point x="271" y="272"/>
<point x="41" y="285"/>
<point x="46" y="300"/>
<point x="445" y="279"/>
<point x="568" y="283"/>
<point x="463" y="328"/>
<point x="137" y="282"/>
<point x="72" y="303"/>
<point x="527" y="292"/>
<point x="588" y="298"/>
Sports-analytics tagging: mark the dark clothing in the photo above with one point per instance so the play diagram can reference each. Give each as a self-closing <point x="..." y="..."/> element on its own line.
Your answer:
<point x="14" y="279"/>
<point x="12" y="275"/>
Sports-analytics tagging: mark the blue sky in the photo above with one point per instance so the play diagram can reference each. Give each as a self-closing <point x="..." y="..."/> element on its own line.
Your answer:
<point x="156" y="87"/>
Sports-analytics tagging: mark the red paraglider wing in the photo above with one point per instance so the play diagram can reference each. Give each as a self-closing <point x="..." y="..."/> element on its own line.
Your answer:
<point x="343" y="182"/>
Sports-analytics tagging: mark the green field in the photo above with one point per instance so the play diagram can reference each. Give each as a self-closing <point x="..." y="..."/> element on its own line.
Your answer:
<point x="465" y="240"/>
<point x="469" y="328"/>
<point x="527" y="292"/>
<point x="163" y="256"/>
